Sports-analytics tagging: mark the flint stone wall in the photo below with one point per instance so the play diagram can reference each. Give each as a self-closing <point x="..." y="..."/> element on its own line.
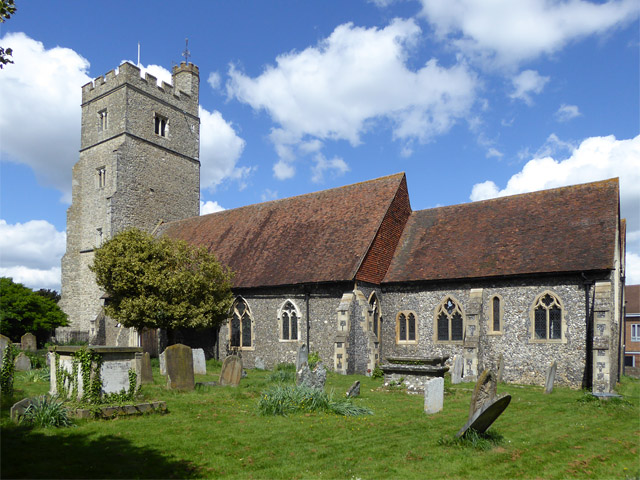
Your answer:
<point x="526" y="362"/>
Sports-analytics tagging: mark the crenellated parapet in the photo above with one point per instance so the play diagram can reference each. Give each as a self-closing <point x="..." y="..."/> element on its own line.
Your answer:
<point x="182" y="93"/>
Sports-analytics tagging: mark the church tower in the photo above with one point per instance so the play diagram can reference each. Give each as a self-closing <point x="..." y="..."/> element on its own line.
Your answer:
<point x="139" y="165"/>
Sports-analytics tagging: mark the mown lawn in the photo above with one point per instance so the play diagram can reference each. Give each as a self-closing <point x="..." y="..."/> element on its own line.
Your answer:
<point x="217" y="432"/>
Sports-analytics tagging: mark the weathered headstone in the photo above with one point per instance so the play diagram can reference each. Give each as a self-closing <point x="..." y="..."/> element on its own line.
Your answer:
<point x="199" y="363"/>
<point x="179" y="363"/>
<point x="303" y="356"/>
<point x="551" y="377"/>
<point x="484" y="391"/>
<point x="19" y="408"/>
<point x="163" y="364"/>
<point x="28" y="342"/>
<point x="354" y="390"/>
<point x="259" y="363"/>
<point x="146" y="374"/>
<point x="456" y="373"/>
<point x="231" y="372"/>
<point x="4" y="343"/>
<point x="488" y="414"/>
<point x="500" y="368"/>
<point x="22" y="363"/>
<point x="433" y="395"/>
<point x="311" y="379"/>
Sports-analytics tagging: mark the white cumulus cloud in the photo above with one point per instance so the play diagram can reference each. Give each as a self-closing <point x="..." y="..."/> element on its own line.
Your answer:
<point x="596" y="158"/>
<point x="357" y="76"/>
<point x="40" y="115"/>
<point x="526" y="83"/>
<point x="210" y="207"/>
<point x="507" y="32"/>
<point x="30" y="253"/>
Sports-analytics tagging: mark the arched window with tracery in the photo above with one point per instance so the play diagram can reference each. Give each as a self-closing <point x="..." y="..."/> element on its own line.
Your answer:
<point x="289" y="316"/>
<point x="375" y="315"/>
<point x="547" y="318"/>
<point x="449" y="321"/>
<point x="406" y="327"/>
<point x="241" y="325"/>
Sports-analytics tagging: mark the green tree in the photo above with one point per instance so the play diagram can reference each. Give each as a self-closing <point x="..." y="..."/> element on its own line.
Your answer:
<point x="7" y="8"/>
<point x="161" y="283"/>
<point x="22" y="310"/>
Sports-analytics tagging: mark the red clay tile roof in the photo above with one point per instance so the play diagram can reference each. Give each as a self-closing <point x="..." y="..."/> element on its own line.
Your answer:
<point x="313" y="238"/>
<point x="632" y="296"/>
<point x="560" y="230"/>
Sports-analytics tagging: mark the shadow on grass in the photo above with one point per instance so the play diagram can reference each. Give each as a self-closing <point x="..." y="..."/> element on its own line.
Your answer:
<point x="30" y="453"/>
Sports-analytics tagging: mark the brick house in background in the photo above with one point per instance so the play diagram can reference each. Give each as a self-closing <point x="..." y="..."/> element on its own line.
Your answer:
<point x="632" y="331"/>
<point x="352" y="272"/>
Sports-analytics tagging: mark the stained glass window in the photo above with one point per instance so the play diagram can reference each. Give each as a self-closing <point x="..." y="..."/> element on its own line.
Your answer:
<point x="496" y="314"/>
<point x="402" y="327"/>
<point x="241" y="325"/>
<point x="450" y="321"/>
<point x="547" y="318"/>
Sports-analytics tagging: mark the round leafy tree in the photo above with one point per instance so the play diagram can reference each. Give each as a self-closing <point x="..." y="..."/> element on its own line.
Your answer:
<point x="161" y="283"/>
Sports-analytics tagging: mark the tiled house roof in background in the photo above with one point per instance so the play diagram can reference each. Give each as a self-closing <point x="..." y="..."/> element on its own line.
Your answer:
<point x="560" y="230"/>
<point x="318" y="237"/>
<point x="632" y="296"/>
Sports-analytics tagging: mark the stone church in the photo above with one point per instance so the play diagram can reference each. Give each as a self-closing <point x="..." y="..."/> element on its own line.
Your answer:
<point x="352" y="272"/>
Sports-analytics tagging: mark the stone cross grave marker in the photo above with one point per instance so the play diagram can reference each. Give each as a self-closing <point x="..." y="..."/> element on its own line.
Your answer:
<point x="484" y="392"/>
<point x="303" y="356"/>
<point x="28" y="342"/>
<point x="488" y="414"/>
<point x="456" y="373"/>
<point x="500" y="368"/>
<point x="433" y="395"/>
<point x="146" y="374"/>
<point x="22" y="362"/>
<point x="199" y="363"/>
<point x="354" y="390"/>
<point x="179" y="363"/>
<point x="163" y="363"/>
<point x="551" y="377"/>
<point x="231" y="372"/>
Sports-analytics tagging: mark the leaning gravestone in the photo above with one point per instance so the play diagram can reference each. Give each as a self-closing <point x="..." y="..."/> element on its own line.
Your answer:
<point x="28" y="342"/>
<point x="22" y="363"/>
<point x="551" y="376"/>
<point x="311" y="379"/>
<point x="303" y="356"/>
<point x="199" y="363"/>
<point x="146" y="374"/>
<point x="484" y="417"/>
<point x="500" y="368"/>
<point x="163" y="364"/>
<point x="484" y="392"/>
<point x="179" y="363"/>
<point x="456" y="373"/>
<point x="231" y="372"/>
<point x="433" y="395"/>
<point x="18" y="409"/>
<point x="354" y="390"/>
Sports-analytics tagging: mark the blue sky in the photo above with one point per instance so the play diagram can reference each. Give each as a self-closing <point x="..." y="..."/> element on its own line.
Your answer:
<point x="472" y="99"/>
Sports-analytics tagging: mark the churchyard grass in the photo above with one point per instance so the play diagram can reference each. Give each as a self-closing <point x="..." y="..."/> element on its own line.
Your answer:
<point x="219" y="432"/>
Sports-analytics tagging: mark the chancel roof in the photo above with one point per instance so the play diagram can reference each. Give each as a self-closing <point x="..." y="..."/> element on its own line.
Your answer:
<point x="552" y="231"/>
<point x="314" y="238"/>
<point x="632" y="294"/>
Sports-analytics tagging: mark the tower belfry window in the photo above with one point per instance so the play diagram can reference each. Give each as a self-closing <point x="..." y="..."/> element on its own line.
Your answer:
<point x="102" y="120"/>
<point x="160" y="125"/>
<point x="102" y="177"/>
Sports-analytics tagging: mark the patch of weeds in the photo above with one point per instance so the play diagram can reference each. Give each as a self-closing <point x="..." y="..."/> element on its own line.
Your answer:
<point x="287" y="399"/>
<point x="587" y="398"/>
<point x="281" y="376"/>
<point x="377" y="372"/>
<point x="285" y="367"/>
<point x="473" y="439"/>
<point x="313" y="360"/>
<point x="47" y="412"/>
<point x="35" y="376"/>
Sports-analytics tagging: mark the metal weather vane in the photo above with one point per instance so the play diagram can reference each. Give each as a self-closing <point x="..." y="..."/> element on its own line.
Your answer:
<point x="186" y="54"/>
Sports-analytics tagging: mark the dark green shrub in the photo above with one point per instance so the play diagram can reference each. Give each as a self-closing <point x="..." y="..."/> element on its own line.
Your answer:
<point x="7" y="370"/>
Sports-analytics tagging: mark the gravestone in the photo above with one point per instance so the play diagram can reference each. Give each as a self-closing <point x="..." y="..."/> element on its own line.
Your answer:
<point x="231" y="372"/>
<point x="259" y="363"/>
<point x="199" y="363"/>
<point x="303" y="356"/>
<point x="488" y="414"/>
<point x="305" y="377"/>
<point x="28" y="342"/>
<point x="500" y="368"/>
<point x="163" y="364"/>
<point x="22" y="363"/>
<point x="19" y="408"/>
<point x="433" y="395"/>
<point x="484" y="391"/>
<point x="146" y="374"/>
<point x="551" y="376"/>
<point x="456" y="373"/>
<point x="4" y="342"/>
<point x="354" y="390"/>
<point x="179" y="364"/>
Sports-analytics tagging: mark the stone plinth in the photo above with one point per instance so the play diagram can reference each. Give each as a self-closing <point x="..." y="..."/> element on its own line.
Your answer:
<point x="116" y="363"/>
